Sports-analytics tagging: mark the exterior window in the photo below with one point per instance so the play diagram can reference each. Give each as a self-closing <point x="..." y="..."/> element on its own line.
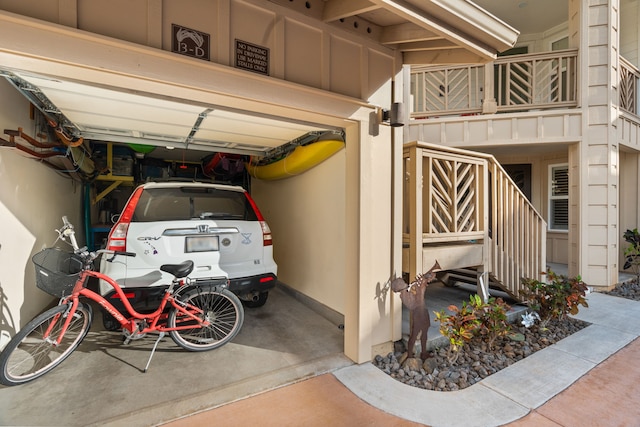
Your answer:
<point x="559" y="197"/>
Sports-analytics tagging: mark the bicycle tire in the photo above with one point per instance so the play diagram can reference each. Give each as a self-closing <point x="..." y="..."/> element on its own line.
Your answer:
<point x="220" y="307"/>
<point x="27" y="356"/>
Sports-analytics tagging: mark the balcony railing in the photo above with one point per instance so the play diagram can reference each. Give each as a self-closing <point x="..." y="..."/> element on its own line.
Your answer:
<point x="629" y="76"/>
<point x="511" y="83"/>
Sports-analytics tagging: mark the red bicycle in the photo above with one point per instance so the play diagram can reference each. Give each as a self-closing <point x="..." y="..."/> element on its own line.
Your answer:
<point x="198" y="317"/>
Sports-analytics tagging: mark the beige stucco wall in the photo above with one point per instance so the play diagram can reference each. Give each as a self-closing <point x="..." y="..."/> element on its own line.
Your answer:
<point x="33" y="199"/>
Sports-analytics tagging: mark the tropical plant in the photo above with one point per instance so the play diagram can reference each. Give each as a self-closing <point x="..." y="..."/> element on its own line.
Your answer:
<point x="475" y="318"/>
<point x="459" y="327"/>
<point x="556" y="298"/>
<point x="493" y="318"/>
<point x="632" y="252"/>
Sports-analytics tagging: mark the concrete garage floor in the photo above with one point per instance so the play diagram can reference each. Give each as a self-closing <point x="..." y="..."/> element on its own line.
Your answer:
<point x="103" y="382"/>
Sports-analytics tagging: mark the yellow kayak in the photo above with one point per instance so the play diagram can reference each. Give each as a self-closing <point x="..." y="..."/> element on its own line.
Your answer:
<point x="301" y="159"/>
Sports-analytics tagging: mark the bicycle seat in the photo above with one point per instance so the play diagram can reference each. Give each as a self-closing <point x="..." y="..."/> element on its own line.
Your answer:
<point x="178" y="270"/>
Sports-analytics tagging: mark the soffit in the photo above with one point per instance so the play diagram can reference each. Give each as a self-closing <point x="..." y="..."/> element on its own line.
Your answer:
<point x="424" y="31"/>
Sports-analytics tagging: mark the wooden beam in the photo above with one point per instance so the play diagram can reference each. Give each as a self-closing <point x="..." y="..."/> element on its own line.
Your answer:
<point x="427" y="45"/>
<point x="407" y="32"/>
<point x="339" y="9"/>
<point x="440" y="57"/>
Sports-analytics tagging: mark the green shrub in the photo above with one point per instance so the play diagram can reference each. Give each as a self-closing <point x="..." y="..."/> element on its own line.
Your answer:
<point x="632" y="252"/>
<point x="458" y="327"/>
<point x="493" y="318"/>
<point x="476" y="318"/>
<point x="557" y="298"/>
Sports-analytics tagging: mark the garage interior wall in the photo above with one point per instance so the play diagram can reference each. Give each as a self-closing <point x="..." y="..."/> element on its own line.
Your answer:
<point x="306" y="217"/>
<point x="33" y="199"/>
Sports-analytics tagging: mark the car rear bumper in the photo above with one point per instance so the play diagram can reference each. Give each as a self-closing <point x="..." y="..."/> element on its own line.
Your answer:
<point x="253" y="284"/>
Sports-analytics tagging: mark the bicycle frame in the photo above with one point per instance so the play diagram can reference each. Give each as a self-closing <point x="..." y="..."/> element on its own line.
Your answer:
<point x="80" y="290"/>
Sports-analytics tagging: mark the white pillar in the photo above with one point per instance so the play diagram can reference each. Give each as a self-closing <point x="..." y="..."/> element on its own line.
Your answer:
<point x="593" y="162"/>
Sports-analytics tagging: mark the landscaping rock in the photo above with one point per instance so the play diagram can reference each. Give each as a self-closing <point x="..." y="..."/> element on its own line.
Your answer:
<point x="476" y="361"/>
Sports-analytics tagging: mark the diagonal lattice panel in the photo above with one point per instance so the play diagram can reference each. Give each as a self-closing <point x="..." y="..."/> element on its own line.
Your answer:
<point x="520" y="83"/>
<point x="458" y="89"/>
<point x="434" y="87"/>
<point x="465" y="197"/>
<point x="627" y="90"/>
<point x="547" y="75"/>
<point x="441" y="220"/>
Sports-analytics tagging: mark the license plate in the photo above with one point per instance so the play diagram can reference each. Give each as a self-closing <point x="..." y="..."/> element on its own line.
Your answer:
<point x="201" y="244"/>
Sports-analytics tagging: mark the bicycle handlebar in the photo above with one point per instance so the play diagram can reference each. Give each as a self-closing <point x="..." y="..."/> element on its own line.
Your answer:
<point x="68" y="231"/>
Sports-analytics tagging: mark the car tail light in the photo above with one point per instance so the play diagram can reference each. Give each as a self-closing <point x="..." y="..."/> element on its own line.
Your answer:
<point x="266" y="234"/>
<point x="266" y="231"/>
<point x="118" y="236"/>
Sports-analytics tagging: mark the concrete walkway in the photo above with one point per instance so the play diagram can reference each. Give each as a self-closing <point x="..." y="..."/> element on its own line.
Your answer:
<point x="587" y="379"/>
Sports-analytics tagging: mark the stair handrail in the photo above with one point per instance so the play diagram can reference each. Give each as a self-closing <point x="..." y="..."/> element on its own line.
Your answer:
<point x="512" y="230"/>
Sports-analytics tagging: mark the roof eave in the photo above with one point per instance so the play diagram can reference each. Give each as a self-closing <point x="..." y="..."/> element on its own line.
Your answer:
<point x="460" y="21"/>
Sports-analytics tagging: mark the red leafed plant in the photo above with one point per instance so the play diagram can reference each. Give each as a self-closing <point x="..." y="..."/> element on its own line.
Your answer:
<point x="556" y="298"/>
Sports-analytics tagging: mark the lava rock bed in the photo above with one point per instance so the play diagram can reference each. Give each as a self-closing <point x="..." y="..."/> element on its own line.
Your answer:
<point x="475" y="361"/>
<point x="629" y="290"/>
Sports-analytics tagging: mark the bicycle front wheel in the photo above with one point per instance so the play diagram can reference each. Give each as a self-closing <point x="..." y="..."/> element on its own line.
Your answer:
<point x="220" y="307"/>
<point x="29" y="355"/>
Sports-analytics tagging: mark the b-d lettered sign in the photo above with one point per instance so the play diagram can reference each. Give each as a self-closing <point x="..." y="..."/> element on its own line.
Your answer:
<point x="190" y="42"/>
<point x="252" y="57"/>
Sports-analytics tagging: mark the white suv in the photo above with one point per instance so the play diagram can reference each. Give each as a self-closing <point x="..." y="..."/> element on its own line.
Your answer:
<point x="219" y="227"/>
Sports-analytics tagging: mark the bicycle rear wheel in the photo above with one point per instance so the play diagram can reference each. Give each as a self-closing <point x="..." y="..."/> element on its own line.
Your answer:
<point x="220" y="307"/>
<point x="29" y="356"/>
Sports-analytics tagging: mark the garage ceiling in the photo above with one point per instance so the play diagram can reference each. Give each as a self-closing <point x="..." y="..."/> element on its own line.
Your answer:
<point x="102" y="114"/>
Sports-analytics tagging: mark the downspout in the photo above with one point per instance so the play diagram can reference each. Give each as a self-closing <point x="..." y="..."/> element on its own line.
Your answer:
<point x="401" y="93"/>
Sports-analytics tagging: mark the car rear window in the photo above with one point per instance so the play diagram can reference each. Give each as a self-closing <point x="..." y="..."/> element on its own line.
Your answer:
<point x="192" y="203"/>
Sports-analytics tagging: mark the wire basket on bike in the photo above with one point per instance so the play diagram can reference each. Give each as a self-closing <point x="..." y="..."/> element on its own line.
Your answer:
<point x="57" y="271"/>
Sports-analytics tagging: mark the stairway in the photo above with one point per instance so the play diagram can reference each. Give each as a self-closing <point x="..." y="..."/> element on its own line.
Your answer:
<point x="462" y="209"/>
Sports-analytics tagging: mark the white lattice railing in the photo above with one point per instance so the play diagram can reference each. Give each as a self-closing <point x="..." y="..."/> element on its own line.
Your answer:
<point x="536" y="80"/>
<point x="454" y="196"/>
<point x="629" y="76"/>
<point x="518" y="82"/>
<point x="450" y="90"/>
